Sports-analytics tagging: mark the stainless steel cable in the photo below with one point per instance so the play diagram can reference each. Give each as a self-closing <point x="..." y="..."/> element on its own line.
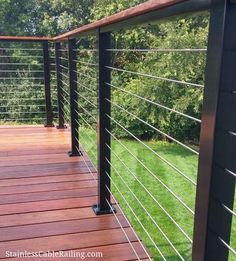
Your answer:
<point x="155" y="103"/>
<point x="153" y="198"/>
<point x="136" y="217"/>
<point x="64" y="67"/>
<point x="154" y="128"/>
<point x="146" y="211"/>
<point x="156" y="77"/>
<point x="122" y="212"/>
<point x="86" y="111"/>
<point x="164" y="160"/>
<point x="233" y="251"/>
<point x="89" y="125"/>
<point x="159" y="50"/>
<point x="228" y="209"/>
<point x="87" y="76"/>
<point x="91" y="90"/>
<point x="86" y="63"/>
<point x="123" y="230"/>
<point x="94" y="105"/>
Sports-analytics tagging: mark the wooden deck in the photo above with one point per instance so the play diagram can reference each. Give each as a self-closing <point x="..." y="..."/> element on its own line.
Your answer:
<point x="46" y="198"/>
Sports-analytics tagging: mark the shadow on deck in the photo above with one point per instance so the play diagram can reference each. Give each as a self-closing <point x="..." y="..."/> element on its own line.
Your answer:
<point x="46" y="198"/>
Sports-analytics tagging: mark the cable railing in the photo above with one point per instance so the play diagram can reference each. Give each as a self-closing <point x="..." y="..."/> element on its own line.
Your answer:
<point x="22" y="84"/>
<point x="155" y="117"/>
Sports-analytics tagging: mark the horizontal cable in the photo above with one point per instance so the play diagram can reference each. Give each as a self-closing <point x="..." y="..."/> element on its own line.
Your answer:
<point x="66" y="101"/>
<point x="158" y="50"/>
<point x="127" y="220"/>
<point x="24" y="99"/>
<point x="87" y="144"/>
<point x="23" y="112"/>
<point x="94" y="105"/>
<point x="159" y="156"/>
<point x="155" y="103"/>
<point x="17" y="92"/>
<point x="90" y="70"/>
<point x="227" y="246"/>
<point x="86" y="111"/>
<point x="86" y="63"/>
<point x="21" y="49"/>
<point x="156" y="77"/>
<point x="22" y="85"/>
<point x="89" y="125"/>
<point x="80" y="83"/>
<point x="20" y="56"/>
<point x="22" y="78"/>
<point x="64" y="75"/>
<point x="89" y="139"/>
<point x="19" y="105"/>
<point x="85" y="50"/>
<point x="18" y="71"/>
<point x="145" y="210"/>
<point x="123" y="230"/>
<point x="67" y="93"/>
<point x="87" y="76"/>
<point x="230" y="172"/>
<point x="86" y="164"/>
<point x="91" y="90"/>
<point x="64" y="67"/>
<point x="24" y="119"/>
<point x="64" y="58"/>
<point x="153" y="175"/>
<point x="154" y="128"/>
<point x="228" y="209"/>
<point x="66" y="84"/>
<point x="136" y="217"/>
<point x="39" y="64"/>
<point x="151" y="194"/>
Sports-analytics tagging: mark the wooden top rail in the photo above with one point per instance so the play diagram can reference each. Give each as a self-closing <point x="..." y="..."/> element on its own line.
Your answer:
<point x="151" y="10"/>
<point x="140" y="9"/>
<point x="25" y="38"/>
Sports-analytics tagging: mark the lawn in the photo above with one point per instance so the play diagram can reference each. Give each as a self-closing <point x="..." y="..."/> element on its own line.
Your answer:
<point x="145" y="192"/>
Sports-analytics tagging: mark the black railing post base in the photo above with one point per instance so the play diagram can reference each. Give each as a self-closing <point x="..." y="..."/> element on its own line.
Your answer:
<point x="75" y="154"/>
<point x="61" y="127"/>
<point x="98" y="211"/>
<point x="49" y="125"/>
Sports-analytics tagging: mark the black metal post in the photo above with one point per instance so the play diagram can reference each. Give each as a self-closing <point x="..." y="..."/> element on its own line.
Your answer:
<point x="60" y="97"/>
<point x="104" y="124"/>
<point x="47" y="78"/>
<point x="73" y="99"/>
<point x="217" y="164"/>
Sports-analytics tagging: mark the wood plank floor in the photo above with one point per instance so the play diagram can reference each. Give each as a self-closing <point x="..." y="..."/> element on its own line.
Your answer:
<point x="46" y="198"/>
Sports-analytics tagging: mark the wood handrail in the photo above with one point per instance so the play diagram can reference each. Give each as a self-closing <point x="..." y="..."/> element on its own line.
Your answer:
<point x="25" y="38"/>
<point x="149" y="6"/>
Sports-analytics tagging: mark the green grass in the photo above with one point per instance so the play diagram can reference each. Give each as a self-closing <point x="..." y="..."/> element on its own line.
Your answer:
<point x="125" y="175"/>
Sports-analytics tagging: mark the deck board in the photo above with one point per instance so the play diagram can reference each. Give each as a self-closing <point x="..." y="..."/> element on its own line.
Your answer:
<point x="46" y="198"/>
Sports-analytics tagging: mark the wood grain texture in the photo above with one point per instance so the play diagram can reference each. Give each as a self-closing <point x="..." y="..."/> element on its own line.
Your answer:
<point x="46" y="199"/>
<point x="140" y="9"/>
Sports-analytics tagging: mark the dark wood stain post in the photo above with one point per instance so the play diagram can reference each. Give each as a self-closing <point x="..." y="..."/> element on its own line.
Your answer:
<point x="47" y="79"/>
<point x="73" y="99"/>
<point x="217" y="165"/>
<point x="104" y="124"/>
<point x="60" y="98"/>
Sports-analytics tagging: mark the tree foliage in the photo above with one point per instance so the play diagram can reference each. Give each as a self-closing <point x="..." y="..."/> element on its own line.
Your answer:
<point x="51" y="17"/>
